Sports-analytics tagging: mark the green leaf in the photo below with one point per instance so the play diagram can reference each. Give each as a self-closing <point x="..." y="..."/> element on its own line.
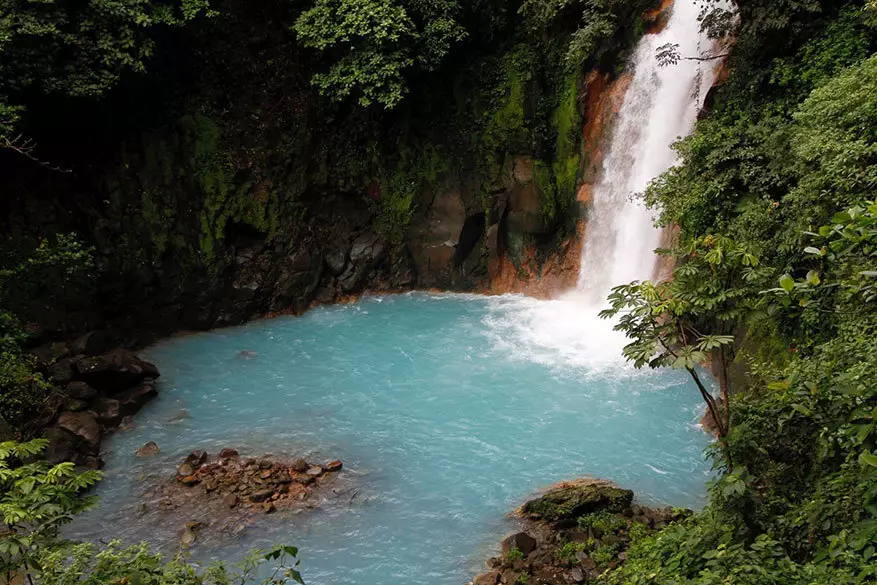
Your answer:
<point x="787" y="283"/>
<point x="868" y="458"/>
<point x="802" y="409"/>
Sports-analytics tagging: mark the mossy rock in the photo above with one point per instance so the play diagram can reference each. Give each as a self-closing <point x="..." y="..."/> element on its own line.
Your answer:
<point x="570" y="500"/>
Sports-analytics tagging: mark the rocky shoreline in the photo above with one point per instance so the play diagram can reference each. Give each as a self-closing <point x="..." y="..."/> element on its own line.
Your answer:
<point x="98" y="388"/>
<point x="573" y="534"/>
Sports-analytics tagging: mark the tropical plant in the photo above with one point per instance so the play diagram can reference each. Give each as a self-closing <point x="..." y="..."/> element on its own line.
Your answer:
<point x="36" y="499"/>
<point x="686" y="320"/>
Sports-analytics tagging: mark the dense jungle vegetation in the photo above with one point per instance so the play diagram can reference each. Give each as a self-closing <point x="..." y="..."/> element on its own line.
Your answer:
<point x="775" y="196"/>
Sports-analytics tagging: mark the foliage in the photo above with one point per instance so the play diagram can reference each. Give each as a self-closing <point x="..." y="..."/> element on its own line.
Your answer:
<point x="514" y="554"/>
<point x="605" y="522"/>
<point x="84" y="564"/>
<point x="784" y="166"/>
<point x="54" y="272"/>
<point x="77" y="48"/>
<point x="567" y="553"/>
<point x="37" y="499"/>
<point x="599" y="21"/>
<point x="605" y="554"/>
<point x="683" y="321"/>
<point x="376" y="43"/>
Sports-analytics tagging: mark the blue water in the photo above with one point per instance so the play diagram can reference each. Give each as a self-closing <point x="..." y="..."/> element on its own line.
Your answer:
<point x="447" y="410"/>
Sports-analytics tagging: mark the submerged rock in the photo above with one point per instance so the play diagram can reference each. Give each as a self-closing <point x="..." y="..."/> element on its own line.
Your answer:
<point x="257" y="485"/>
<point x="148" y="449"/>
<point x="190" y="534"/>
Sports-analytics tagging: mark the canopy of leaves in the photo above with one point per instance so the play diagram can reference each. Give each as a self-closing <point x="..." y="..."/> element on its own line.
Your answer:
<point x="375" y="43"/>
<point x="76" y="48"/>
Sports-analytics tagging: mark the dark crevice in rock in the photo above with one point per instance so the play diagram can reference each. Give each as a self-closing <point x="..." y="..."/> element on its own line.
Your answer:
<point x="470" y="235"/>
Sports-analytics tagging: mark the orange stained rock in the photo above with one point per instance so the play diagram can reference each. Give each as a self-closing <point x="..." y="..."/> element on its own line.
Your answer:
<point x="657" y="18"/>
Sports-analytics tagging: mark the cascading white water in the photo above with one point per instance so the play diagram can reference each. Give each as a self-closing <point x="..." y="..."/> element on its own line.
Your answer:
<point x="660" y="106"/>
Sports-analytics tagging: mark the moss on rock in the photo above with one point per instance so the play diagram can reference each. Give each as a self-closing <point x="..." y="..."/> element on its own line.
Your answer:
<point x="570" y="500"/>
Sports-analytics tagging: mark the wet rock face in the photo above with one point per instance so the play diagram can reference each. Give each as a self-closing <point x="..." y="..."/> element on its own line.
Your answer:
<point x="573" y="533"/>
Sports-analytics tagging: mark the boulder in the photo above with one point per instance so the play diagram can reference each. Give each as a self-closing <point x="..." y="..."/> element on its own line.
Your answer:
<point x="51" y="352"/>
<point x="314" y="471"/>
<point x="190" y="534"/>
<point x="334" y="466"/>
<point x="306" y="479"/>
<point x="300" y="465"/>
<point x="577" y="575"/>
<point x="189" y="480"/>
<point x="62" y="446"/>
<point x="84" y="425"/>
<point x="196" y="458"/>
<point x="520" y="541"/>
<point x="92" y="343"/>
<point x="74" y="405"/>
<point x="64" y="371"/>
<point x="228" y="453"/>
<point x="115" y="371"/>
<point x="570" y="500"/>
<point x="81" y="391"/>
<point x="489" y="578"/>
<point x="132" y="400"/>
<point x="109" y="411"/>
<point x="230" y="500"/>
<point x="92" y="462"/>
<point x="261" y="496"/>
<point x="186" y="469"/>
<point x="147" y="450"/>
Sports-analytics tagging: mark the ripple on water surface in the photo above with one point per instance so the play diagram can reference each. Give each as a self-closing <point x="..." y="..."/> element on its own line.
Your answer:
<point x="447" y="410"/>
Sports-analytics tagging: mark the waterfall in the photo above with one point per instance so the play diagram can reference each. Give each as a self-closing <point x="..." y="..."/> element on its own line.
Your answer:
<point x="660" y="105"/>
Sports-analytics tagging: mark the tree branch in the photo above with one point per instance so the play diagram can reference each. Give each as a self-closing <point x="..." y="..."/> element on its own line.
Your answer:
<point x="25" y="147"/>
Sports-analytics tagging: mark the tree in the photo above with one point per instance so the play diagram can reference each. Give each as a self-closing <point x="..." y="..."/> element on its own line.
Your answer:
<point x="686" y="320"/>
<point x="75" y="48"/>
<point x="373" y="44"/>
